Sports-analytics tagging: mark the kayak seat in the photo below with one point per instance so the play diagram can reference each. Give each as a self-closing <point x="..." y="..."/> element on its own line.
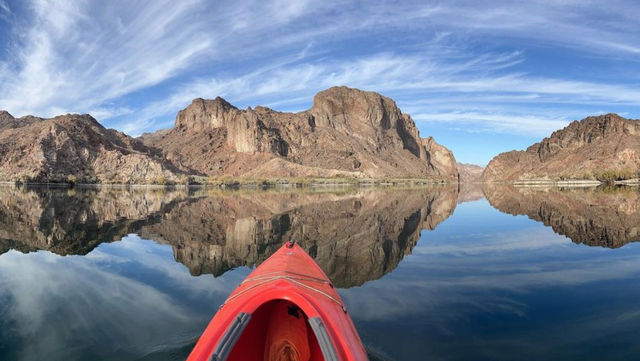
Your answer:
<point x="277" y="331"/>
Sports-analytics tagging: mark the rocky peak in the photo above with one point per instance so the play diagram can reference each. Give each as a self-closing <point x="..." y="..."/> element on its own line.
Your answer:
<point x="75" y="145"/>
<point x="76" y="118"/>
<point x="581" y="150"/>
<point x="583" y="132"/>
<point x="343" y="106"/>
<point x="353" y="132"/>
<point x="204" y="114"/>
<point x="6" y="119"/>
<point x="9" y="121"/>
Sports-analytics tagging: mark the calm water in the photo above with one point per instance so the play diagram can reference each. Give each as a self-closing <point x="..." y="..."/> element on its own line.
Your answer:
<point x="430" y="274"/>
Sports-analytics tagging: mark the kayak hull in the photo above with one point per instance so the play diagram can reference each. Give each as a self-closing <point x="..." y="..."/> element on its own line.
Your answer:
<point x="287" y="304"/>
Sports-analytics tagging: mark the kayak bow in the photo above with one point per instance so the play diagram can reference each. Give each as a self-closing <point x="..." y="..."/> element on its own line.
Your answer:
<point x="286" y="309"/>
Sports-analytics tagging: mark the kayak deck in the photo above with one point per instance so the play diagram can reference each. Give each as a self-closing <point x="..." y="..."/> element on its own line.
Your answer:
<point x="286" y="309"/>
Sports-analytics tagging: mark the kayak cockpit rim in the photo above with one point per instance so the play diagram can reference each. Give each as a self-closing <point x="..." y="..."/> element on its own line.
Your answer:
<point x="320" y="338"/>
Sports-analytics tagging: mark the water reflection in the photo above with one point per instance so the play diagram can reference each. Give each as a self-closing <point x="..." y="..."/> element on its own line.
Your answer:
<point x="355" y="235"/>
<point x="595" y="216"/>
<point x="74" y="222"/>
<point x="488" y="286"/>
<point x="478" y="285"/>
<point x="122" y="301"/>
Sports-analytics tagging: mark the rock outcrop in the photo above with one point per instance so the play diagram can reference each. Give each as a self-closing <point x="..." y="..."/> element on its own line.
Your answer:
<point x="603" y="216"/>
<point x="605" y="147"/>
<point x="74" y="148"/>
<point x="347" y="132"/>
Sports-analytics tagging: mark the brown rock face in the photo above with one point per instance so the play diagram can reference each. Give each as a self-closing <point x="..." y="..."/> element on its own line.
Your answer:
<point x="586" y="149"/>
<point x="346" y="132"/>
<point x="470" y="173"/>
<point x="51" y="150"/>
<point x="603" y="216"/>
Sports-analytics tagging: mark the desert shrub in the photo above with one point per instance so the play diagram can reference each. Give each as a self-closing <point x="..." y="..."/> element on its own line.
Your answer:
<point x="191" y="180"/>
<point x="160" y="181"/>
<point x="24" y="179"/>
<point x="612" y="175"/>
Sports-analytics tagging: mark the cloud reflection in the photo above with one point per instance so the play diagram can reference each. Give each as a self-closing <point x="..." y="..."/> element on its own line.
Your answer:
<point x="124" y="299"/>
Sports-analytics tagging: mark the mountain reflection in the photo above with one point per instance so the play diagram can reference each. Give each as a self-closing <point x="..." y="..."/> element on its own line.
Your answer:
<point x="355" y="236"/>
<point x="74" y="222"/>
<point x="595" y="216"/>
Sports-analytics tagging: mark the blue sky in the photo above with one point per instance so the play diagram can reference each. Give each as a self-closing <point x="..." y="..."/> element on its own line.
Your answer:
<point x="481" y="77"/>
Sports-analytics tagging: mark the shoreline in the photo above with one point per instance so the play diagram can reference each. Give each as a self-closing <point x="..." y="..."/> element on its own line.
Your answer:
<point x="252" y="183"/>
<point x="566" y="183"/>
<point x="573" y="183"/>
<point x="262" y="183"/>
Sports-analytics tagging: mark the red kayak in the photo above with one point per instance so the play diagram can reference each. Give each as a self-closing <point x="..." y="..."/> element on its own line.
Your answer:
<point x="286" y="309"/>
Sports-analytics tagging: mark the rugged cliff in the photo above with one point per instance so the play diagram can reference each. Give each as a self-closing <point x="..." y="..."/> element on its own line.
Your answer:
<point x="605" y="147"/>
<point x="347" y="132"/>
<point x="74" y="147"/>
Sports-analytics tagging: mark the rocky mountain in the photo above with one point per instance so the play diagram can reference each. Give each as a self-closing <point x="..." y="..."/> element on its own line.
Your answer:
<point x="74" y="147"/>
<point x="347" y="132"/>
<point x="469" y="173"/>
<point x="603" y="216"/>
<point x="605" y="147"/>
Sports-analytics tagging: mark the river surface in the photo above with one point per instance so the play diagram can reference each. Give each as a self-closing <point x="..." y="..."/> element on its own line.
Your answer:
<point x="437" y="273"/>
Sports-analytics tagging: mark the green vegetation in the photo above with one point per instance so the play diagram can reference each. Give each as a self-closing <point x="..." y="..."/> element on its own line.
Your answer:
<point x="160" y="181"/>
<point x="24" y="179"/>
<point x="602" y="175"/>
<point x="612" y="175"/>
<point x="238" y="182"/>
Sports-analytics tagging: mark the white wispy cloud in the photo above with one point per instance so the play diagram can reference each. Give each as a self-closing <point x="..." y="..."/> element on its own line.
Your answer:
<point x="424" y="77"/>
<point x="503" y="123"/>
<point x="69" y="60"/>
<point x="138" y="63"/>
<point x="105" y="296"/>
<point x="4" y="7"/>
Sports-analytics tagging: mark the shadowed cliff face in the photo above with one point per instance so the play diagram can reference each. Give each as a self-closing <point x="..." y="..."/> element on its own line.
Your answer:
<point x="603" y="216"/>
<point x="355" y="236"/>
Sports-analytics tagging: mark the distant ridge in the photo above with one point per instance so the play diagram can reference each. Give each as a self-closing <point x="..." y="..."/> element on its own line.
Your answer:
<point x="469" y="173"/>
<point x="74" y="148"/>
<point x="604" y="147"/>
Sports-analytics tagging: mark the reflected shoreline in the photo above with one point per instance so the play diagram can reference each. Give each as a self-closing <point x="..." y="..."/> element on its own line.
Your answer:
<point x="355" y="235"/>
<point x="603" y="216"/>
